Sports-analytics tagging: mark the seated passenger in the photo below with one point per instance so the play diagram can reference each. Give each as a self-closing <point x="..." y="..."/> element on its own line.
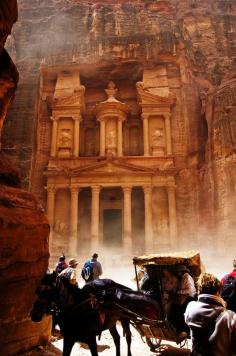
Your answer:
<point x="150" y="283"/>
<point x="170" y="286"/>
<point x="185" y="293"/>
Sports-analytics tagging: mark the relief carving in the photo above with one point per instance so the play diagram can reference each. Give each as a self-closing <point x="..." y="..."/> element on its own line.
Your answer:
<point x="111" y="143"/>
<point x="158" y="143"/>
<point x="61" y="227"/>
<point x="65" y="143"/>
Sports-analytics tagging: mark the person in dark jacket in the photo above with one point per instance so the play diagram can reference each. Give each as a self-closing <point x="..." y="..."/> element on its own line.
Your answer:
<point x="61" y="264"/>
<point x="213" y="327"/>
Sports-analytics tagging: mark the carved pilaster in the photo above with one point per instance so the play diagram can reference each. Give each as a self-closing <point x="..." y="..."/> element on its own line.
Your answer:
<point x="172" y="214"/>
<point x="127" y="242"/>
<point x="74" y="191"/>
<point x="148" y="218"/>
<point x="95" y="216"/>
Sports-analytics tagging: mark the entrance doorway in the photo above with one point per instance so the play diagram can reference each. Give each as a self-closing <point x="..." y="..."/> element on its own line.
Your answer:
<point x="112" y="228"/>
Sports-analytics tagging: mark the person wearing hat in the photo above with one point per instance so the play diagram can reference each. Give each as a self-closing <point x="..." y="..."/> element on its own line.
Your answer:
<point x="61" y="264"/>
<point x="70" y="272"/>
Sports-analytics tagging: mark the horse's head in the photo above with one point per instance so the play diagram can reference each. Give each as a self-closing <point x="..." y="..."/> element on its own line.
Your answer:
<point x="46" y="297"/>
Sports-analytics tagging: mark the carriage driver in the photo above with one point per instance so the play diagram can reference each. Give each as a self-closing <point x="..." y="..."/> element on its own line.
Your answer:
<point x="70" y="272"/>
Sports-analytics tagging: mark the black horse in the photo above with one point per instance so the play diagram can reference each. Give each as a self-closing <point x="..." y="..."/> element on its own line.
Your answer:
<point x="78" y="313"/>
<point x="85" y="313"/>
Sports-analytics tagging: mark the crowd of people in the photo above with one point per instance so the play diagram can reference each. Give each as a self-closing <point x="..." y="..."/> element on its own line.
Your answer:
<point x="91" y="270"/>
<point x="206" y="313"/>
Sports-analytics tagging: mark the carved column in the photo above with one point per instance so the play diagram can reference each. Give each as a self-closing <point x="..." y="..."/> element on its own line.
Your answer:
<point x="145" y="135"/>
<point x="168" y="135"/>
<point x="120" y="138"/>
<point x="127" y="241"/>
<point x="102" y="137"/>
<point x="95" y="217"/>
<point x="172" y="215"/>
<point x="54" y="137"/>
<point x="77" y="120"/>
<point x="74" y="194"/>
<point x="148" y="218"/>
<point x="50" y="210"/>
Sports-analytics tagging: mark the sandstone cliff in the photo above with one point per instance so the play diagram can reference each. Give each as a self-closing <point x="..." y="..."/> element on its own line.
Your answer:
<point x="195" y="39"/>
<point x="23" y="227"/>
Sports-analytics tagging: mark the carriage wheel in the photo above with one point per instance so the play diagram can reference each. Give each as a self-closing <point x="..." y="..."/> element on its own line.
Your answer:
<point x="153" y="343"/>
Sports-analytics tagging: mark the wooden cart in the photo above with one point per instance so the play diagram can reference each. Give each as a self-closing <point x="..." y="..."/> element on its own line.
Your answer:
<point x="156" y="331"/>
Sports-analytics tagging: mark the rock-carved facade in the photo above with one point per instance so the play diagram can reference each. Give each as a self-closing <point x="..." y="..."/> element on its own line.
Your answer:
<point x="107" y="162"/>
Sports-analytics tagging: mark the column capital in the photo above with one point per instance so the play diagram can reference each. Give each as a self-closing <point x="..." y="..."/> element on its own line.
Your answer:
<point x="54" y="118"/>
<point x="77" y="117"/>
<point x="127" y="188"/>
<point x="51" y="188"/>
<point x="145" y="116"/>
<point x="147" y="189"/>
<point x="171" y="188"/>
<point x="95" y="188"/>
<point x="166" y="116"/>
<point x="74" y="189"/>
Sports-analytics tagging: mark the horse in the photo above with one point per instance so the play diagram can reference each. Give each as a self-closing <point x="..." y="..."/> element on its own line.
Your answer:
<point x="85" y="313"/>
<point x="78" y="316"/>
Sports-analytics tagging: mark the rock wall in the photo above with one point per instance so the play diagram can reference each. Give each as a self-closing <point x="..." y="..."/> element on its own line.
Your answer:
<point x="195" y="39"/>
<point x="24" y="228"/>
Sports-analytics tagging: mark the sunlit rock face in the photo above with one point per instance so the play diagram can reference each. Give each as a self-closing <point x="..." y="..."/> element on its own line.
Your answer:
<point x="24" y="227"/>
<point x="183" y="48"/>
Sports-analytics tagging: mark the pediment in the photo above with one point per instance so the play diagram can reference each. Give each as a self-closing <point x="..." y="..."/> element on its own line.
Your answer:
<point x="146" y="97"/>
<point x="111" y="167"/>
<point x="73" y="100"/>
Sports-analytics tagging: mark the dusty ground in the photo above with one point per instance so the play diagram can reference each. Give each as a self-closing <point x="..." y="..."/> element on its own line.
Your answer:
<point x="124" y="275"/>
<point x="106" y="347"/>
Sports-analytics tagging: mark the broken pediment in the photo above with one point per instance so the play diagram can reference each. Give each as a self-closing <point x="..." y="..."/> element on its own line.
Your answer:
<point x="146" y="97"/>
<point x="68" y="91"/>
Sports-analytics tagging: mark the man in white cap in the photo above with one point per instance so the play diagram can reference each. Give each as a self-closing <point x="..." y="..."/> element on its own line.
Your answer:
<point x="70" y="272"/>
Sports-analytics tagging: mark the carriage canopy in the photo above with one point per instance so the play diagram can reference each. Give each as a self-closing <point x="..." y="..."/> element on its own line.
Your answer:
<point x="190" y="259"/>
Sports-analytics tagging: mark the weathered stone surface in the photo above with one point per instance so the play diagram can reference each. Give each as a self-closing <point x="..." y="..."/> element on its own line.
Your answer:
<point x="24" y="228"/>
<point x="24" y="259"/>
<point x="193" y="39"/>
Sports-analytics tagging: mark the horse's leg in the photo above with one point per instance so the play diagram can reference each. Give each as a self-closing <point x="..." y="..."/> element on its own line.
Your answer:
<point x="128" y="335"/>
<point x="68" y="344"/>
<point x="116" y="338"/>
<point x="92" y="343"/>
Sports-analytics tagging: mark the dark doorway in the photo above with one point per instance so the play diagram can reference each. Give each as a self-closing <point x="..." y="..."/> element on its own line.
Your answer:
<point x="112" y="227"/>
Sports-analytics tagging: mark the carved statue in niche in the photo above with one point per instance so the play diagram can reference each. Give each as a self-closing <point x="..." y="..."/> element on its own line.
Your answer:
<point x="64" y="143"/>
<point x="158" y="143"/>
<point x="111" y="143"/>
<point x="60" y="227"/>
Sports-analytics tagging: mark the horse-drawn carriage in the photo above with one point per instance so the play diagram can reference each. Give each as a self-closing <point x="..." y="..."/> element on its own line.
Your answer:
<point x="85" y="313"/>
<point x="157" y="330"/>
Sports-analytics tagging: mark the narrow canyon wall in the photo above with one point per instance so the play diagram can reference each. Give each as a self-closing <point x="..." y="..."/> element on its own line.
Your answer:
<point x="23" y="227"/>
<point x="194" y="39"/>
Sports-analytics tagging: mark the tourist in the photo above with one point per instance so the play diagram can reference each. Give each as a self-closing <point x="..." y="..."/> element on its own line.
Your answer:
<point x="231" y="274"/>
<point x="213" y="327"/>
<point x="61" y="264"/>
<point x="169" y="286"/>
<point x="70" y="272"/>
<point x="92" y="269"/>
<point x="185" y="293"/>
<point x="228" y="288"/>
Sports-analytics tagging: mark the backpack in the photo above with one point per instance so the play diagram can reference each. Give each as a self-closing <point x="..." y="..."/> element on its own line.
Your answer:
<point x="87" y="271"/>
<point x="60" y="267"/>
<point x="229" y="292"/>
